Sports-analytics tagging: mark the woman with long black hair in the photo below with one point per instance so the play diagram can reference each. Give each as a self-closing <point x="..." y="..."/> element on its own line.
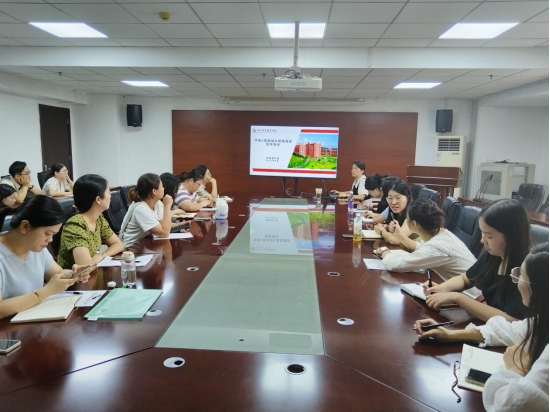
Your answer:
<point x="523" y="386"/>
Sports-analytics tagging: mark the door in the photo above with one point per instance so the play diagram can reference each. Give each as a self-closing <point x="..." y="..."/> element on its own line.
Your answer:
<point x="55" y="133"/>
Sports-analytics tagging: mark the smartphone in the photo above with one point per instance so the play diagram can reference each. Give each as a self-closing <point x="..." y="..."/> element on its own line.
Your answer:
<point x="347" y="236"/>
<point x="81" y="271"/>
<point x="6" y="346"/>
<point x="477" y="377"/>
<point x="178" y="229"/>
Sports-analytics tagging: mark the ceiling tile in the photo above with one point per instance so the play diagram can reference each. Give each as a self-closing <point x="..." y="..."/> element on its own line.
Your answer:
<point x="303" y="43"/>
<point x="257" y="85"/>
<point x="399" y="74"/>
<point x="221" y="90"/>
<point x="96" y="77"/>
<point x="193" y="42"/>
<point x="290" y="12"/>
<point x="268" y="80"/>
<point x="346" y="72"/>
<point x="104" y="84"/>
<point x="527" y="31"/>
<point x="143" y="42"/>
<point x="470" y="80"/>
<point x="540" y="18"/>
<point x="23" y="30"/>
<point x="98" y="13"/>
<point x="369" y="92"/>
<point x="243" y="71"/>
<point x="260" y="89"/>
<point x="181" y="31"/>
<point x="224" y="85"/>
<point x="111" y="70"/>
<point x="354" y="31"/>
<point x="213" y="77"/>
<point x="338" y="86"/>
<point x="533" y="72"/>
<point x="403" y="42"/>
<point x="202" y="70"/>
<point x="228" y="12"/>
<point x="295" y="95"/>
<point x="266" y="94"/>
<point x="9" y="42"/>
<point x="4" y="18"/>
<point x="24" y="70"/>
<point x="94" y="42"/>
<point x="149" y="12"/>
<point x="245" y="42"/>
<point x="458" y="43"/>
<point x="34" y="12"/>
<point x="492" y="72"/>
<point x="512" y="43"/>
<point x="67" y="69"/>
<point x="364" y="12"/>
<point x="375" y="85"/>
<point x="443" y="72"/>
<point x="332" y="95"/>
<point x="126" y="31"/>
<point x="70" y="83"/>
<point x="54" y="42"/>
<point x="189" y="86"/>
<point x="233" y="94"/>
<point x="171" y="77"/>
<point x="239" y="31"/>
<point x="128" y="76"/>
<point x="497" y="12"/>
<point x="434" y="12"/>
<point x="50" y="76"/>
<point x="156" y="70"/>
<point x="349" y="42"/>
<point x="544" y="44"/>
<point x="334" y="78"/>
<point x="430" y="79"/>
<point x="416" y="31"/>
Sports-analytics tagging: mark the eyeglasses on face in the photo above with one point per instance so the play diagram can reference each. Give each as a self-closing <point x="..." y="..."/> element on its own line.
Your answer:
<point x="515" y="274"/>
<point x="25" y="174"/>
<point x="393" y="199"/>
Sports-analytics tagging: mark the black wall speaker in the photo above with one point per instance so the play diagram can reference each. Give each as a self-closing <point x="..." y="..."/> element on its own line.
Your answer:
<point x="133" y="115"/>
<point x="444" y="121"/>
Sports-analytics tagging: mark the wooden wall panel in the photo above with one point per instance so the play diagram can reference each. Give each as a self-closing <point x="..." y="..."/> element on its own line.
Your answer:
<point x="386" y="142"/>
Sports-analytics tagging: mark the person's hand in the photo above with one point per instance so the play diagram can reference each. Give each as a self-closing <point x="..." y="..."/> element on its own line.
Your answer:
<point x="513" y="358"/>
<point x="378" y="228"/>
<point x="84" y="276"/>
<point x="436" y="288"/>
<point x="397" y="229"/>
<point x="205" y="203"/>
<point x="25" y="181"/>
<point x="167" y="201"/>
<point x="58" y="283"/>
<point x="98" y="257"/>
<point x="446" y="298"/>
<point x="391" y="226"/>
<point x="178" y="212"/>
<point x="213" y="181"/>
<point x="335" y="191"/>
<point x="441" y="334"/>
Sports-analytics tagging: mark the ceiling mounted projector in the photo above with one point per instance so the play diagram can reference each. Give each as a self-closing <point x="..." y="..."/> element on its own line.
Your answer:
<point x="293" y="80"/>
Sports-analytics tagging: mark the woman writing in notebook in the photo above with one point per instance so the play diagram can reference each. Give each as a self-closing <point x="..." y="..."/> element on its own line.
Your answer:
<point x="25" y="262"/>
<point x="87" y="229"/>
<point x="523" y="386"/>
<point x="187" y="198"/>
<point x="506" y="236"/>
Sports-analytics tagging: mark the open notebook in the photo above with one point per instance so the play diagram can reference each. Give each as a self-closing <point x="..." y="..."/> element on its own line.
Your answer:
<point x="480" y="359"/>
<point x="57" y="307"/>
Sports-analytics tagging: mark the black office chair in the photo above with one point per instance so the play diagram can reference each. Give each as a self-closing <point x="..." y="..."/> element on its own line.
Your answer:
<point x="431" y="194"/>
<point x="531" y="195"/>
<point x="415" y="189"/>
<point x="42" y="177"/>
<point x="451" y="207"/>
<point x="124" y="193"/>
<point x="6" y="224"/>
<point x="467" y="229"/>
<point x="116" y="212"/>
<point x="539" y="234"/>
<point x="67" y="204"/>
<point x="544" y="207"/>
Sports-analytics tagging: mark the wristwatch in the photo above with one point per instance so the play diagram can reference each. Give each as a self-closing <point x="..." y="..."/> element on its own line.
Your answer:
<point x="31" y="187"/>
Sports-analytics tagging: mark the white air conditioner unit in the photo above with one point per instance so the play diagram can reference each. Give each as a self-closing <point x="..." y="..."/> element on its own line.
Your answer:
<point x="450" y="151"/>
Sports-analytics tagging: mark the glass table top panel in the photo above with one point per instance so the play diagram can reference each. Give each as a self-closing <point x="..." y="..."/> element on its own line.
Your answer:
<point x="261" y="295"/>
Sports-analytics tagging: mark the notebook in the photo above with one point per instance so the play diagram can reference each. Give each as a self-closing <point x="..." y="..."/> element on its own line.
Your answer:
<point x="480" y="359"/>
<point x="374" y="264"/>
<point x="414" y="289"/>
<point x="371" y="234"/>
<point x="124" y="304"/>
<point x="56" y="307"/>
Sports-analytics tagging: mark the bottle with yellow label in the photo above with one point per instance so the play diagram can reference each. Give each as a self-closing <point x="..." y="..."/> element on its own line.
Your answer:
<point x="357" y="227"/>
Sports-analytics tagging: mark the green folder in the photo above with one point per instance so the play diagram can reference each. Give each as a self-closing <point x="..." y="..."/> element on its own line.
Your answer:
<point x="124" y="304"/>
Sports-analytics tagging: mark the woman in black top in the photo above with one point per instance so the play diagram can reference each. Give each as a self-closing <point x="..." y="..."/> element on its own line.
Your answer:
<point x="505" y="234"/>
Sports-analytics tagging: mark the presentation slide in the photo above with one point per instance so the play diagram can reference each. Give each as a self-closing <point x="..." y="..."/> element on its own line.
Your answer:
<point x="294" y="151"/>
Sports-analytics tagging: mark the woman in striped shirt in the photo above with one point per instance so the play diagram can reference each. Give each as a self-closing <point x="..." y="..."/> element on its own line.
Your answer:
<point x="187" y="198"/>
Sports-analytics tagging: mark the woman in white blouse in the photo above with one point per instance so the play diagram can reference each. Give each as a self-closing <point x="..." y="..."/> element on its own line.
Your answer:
<point x="523" y="386"/>
<point x="59" y="184"/>
<point x="439" y="250"/>
<point x="358" y="187"/>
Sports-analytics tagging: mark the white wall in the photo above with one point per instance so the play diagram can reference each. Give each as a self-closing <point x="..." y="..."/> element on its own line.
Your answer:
<point x="519" y="134"/>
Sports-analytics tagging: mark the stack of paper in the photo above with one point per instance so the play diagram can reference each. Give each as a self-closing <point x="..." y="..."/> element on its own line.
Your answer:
<point x="374" y="264"/>
<point x="124" y="304"/>
<point x="185" y="235"/>
<point x="56" y="307"/>
<point x="371" y="234"/>
<point x="109" y="262"/>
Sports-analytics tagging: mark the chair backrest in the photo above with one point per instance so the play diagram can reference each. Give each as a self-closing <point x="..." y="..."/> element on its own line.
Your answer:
<point x="67" y="204"/>
<point x="116" y="212"/>
<point x="544" y="207"/>
<point x="467" y="229"/>
<point x="539" y="234"/>
<point x="6" y="224"/>
<point x="451" y="207"/>
<point x="431" y="194"/>
<point x="124" y="193"/>
<point x="531" y="195"/>
<point x="42" y="177"/>
<point x="415" y="189"/>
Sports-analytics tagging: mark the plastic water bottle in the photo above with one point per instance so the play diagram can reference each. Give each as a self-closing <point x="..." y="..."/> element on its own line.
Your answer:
<point x="356" y="254"/>
<point x="222" y="209"/>
<point x="350" y="206"/>
<point x="357" y="227"/>
<point x="128" y="269"/>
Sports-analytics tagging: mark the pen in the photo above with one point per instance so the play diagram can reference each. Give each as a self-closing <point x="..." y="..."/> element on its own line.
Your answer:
<point x="426" y="328"/>
<point x="429" y="278"/>
<point x="73" y="293"/>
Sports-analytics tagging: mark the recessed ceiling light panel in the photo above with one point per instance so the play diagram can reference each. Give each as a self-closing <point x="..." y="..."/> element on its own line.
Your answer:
<point x="144" y="83"/>
<point x="69" y="30"/>
<point x="410" y="85"/>
<point x="477" y="30"/>
<point x="286" y="30"/>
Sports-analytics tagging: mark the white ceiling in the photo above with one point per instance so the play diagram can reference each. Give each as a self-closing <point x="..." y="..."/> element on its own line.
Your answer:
<point x="227" y="24"/>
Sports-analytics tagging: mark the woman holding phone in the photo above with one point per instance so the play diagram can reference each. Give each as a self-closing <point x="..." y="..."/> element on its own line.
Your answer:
<point x="523" y="386"/>
<point x="25" y="262"/>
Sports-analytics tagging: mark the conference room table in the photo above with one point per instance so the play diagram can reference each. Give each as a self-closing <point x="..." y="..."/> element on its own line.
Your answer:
<point x="377" y="363"/>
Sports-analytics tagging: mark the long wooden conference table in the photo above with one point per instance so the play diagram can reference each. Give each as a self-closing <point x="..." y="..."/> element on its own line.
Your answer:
<point x="374" y="364"/>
